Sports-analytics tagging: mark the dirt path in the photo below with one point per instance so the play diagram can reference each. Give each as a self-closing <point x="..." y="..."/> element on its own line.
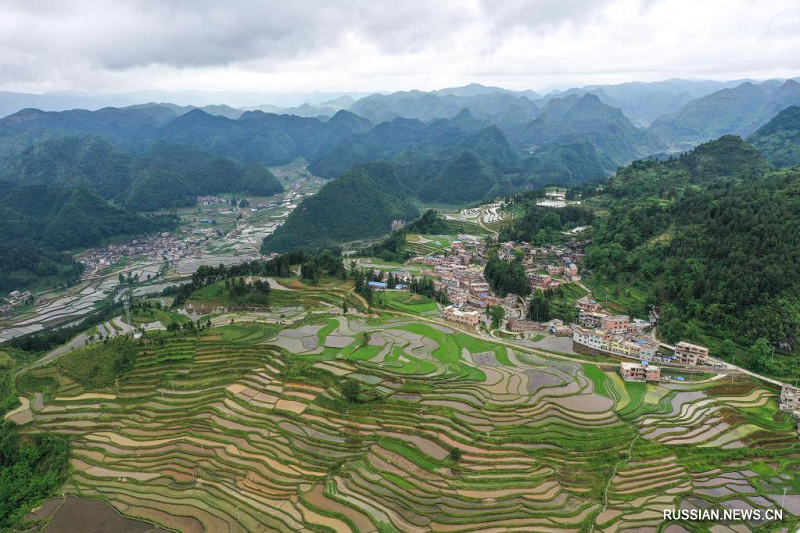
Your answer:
<point x="492" y="232"/>
<point x="611" y="478"/>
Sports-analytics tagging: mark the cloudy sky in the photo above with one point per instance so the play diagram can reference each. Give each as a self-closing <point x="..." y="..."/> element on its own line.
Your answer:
<point x="370" y="45"/>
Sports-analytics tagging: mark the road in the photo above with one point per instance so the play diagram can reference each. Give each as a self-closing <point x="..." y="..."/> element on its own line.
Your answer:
<point x="79" y="341"/>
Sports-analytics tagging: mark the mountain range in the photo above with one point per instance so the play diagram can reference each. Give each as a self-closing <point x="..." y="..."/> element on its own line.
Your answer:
<point x="452" y="146"/>
<point x="740" y="110"/>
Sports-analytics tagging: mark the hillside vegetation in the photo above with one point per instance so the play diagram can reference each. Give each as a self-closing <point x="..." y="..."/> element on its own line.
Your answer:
<point x="165" y="176"/>
<point x="359" y="204"/>
<point x="708" y="235"/>
<point x="40" y="222"/>
<point x="779" y="139"/>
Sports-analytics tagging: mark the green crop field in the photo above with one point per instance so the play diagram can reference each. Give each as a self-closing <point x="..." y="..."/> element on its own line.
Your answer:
<point x="407" y="301"/>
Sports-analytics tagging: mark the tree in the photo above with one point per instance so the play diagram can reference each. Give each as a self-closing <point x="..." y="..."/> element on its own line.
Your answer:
<point x="539" y="307"/>
<point x="344" y="305"/>
<point x="455" y="455"/>
<point x="759" y="355"/>
<point x="672" y="331"/>
<point x="497" y="314"/>
<point x="351" y="390"/>
<point x="727" y="349"/>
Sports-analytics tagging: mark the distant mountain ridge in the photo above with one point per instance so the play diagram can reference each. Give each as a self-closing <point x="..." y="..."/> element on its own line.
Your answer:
<point x="481" y="140"/>
<point x="735" y="111"/>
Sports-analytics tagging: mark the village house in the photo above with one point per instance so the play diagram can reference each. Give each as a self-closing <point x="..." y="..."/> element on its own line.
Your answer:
<point x="521" y="326"/>
<point x="478" y="287"/>
<point x="513" y="311"/>
<point x="591" y="338"/>
<point x="572" y="270"/>
<point x="506" y="251"/>
<point x="596" y="339"/>
<point x="556" y="327"/>
<point x="540" y="280"/>
<point x="591" y="320"/>
<point x="467" y="318"/>
<point x="637" y="327"/>
<point x="647" y="349"/>
<point x="790" y="398"/>
<point x="377" y="285"/>
<point x="690" y="354"/>
<point x="586" y="304"/>
<point x="458" y="298"/>
<point x="483" y="300"/>
<point x="639" y="372"/>
<point x="615" y="323"/>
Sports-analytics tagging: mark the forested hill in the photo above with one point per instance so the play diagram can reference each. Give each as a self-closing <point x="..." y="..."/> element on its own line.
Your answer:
<point x="38" y="222"/>
<point x="709" y="237"/>
<point x="727" y="158"/>
<point x="167" y="175"/>
<point x="361" y="203"/>
<point x="779" y="139"/>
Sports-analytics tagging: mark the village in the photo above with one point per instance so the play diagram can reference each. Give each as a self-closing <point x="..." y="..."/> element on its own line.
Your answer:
<point x="165" y="246"/>
<point x="597" y="331"/>
<point x="14" y="299"/>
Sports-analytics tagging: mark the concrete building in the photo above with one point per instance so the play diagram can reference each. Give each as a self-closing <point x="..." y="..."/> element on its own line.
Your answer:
<point x="467" y="318"/>
<point x="521" y="326"/>
<point x="638" y="326"/>
<point x="615" y="323"/>
<point x="690" y="354"/>
<point x="591" y="319"/>
<point x="639" y="372"/>
<point x="790" y="398"/>
<point x="591" y="338"/>
<point x="588" y="305"/>
<point x="647" y="349"/>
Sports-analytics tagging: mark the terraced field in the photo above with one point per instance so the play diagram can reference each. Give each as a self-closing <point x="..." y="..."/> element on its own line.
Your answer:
<point x="427" y="244"/>
<point x="244" y="428"/>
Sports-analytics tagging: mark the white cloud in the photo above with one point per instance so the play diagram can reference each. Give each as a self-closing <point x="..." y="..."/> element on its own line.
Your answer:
<point x="252" y="45"/>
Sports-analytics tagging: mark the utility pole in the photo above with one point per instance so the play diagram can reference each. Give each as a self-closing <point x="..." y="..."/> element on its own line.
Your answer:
<point x="127" y="304"/>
